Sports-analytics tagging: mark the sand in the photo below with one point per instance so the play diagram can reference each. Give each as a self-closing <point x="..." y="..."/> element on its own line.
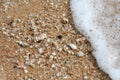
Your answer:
<point x="38" y="41"/>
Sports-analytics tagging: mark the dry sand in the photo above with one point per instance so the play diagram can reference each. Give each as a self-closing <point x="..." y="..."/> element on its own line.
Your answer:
<point x="38" y="41"/>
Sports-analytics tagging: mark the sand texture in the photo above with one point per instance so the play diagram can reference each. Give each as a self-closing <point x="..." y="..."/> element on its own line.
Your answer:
<point x="38" y="41"/>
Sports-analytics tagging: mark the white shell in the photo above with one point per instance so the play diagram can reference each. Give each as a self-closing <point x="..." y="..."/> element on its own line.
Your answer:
<point x="73" y="46"/>
<point x="80" y="54"/>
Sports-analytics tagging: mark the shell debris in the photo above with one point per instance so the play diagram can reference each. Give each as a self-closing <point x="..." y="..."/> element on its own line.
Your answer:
<point x="80" y="54"/>
<point x="73" y="46"/>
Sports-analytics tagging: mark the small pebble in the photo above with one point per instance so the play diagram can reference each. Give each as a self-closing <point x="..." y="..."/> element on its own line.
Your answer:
<point x="85" y="77"/>
<point x="22" y="44"/>
<point x="25" y="71"/>
<point x="53" y="66"/>
<point x="80" y="53"/>
<point x="58" y="74"/>
<point x="9" y="21"/>
<point x="73" y="46"/>
<point x="59" y="36"/>
<point x="40" y="50"/>
<point x="53" y="53"/>
<point x="66" y="76"/>
<point x="51" y="57"/>
<point x="40" y="37"/>
<point x="65" y="20"/>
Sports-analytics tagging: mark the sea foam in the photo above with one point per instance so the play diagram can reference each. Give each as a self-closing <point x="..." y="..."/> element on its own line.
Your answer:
<point x="99" y="21"/>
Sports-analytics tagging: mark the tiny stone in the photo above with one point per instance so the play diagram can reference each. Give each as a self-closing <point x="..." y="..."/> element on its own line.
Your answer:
<point x="67" y="76"/>
<point x="85" y="77"/>
<point x="40" y="50"/>
<point x="64" y="14"/>
<point x="13" y="24"/>
<point x="40" y="38"/>
<point x="31" y="46"/>
<point x="53" y="53"/>
<point x="73" y="46"/>
<point x="53" y="66"/>
<point x="9" y="21"/>
<point x="43" y="36"/>
<point x="58" y="74"/>
<point x="25" y="77"/>
<point x="18" y="20"/>
<point x="48" y="40"/>
<point x="22" y="44"/>
<point x="25" y="71"/>
<point x="51" y="57"/>
<point x="32" y="65"/>
<point x="80" y="53"/>
<point x="59" y="36"/>
<point x="79" y="39"/>
<point x="15" y="67"/>
<point x="65" y="20"/>
<point x="26" y="58"/>
<point x="36" y="56"/>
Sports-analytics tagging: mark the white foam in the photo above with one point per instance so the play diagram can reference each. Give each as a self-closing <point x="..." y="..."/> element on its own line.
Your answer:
<point x="99" y="21"/>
